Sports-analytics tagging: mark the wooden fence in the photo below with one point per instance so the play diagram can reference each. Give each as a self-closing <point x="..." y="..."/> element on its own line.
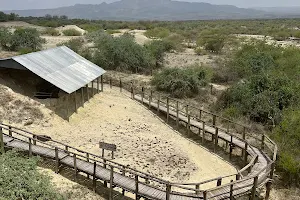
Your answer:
<point x="258" y="170"/>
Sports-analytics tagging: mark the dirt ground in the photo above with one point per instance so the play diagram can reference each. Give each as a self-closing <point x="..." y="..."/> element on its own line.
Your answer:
<point x="144" y="142"/>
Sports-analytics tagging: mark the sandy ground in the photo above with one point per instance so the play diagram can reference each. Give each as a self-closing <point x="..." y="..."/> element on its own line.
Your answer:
<point x="70" y="189"/>
<point x="63" y="28"/>
<point x="144" y="142"/>
<point x="269" y="40"/>
<point x="187" y="58"/>
<point x="20" y="24"/>
<point x="53" y="41"/>
<point x="140" y="38"/>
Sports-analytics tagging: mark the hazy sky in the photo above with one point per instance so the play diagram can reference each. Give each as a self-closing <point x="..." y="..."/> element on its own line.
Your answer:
<point x="31" y="4"/>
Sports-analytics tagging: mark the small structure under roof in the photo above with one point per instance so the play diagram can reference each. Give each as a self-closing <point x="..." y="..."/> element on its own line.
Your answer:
<point x="59" y="66"/>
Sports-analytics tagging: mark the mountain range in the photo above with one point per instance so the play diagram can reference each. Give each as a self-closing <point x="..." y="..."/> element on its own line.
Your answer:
<point x="154" y="10"/>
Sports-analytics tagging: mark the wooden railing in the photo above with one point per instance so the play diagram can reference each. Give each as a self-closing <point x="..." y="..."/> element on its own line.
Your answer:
<point x="235" y="130"/>
<point x="244" y="180"/>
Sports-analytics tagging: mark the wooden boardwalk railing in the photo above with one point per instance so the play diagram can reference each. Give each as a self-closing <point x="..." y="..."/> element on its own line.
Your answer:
<point x="258" y="170"/>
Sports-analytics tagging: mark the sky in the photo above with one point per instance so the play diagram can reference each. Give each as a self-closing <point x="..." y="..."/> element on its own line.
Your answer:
<point x="34" y="4"/>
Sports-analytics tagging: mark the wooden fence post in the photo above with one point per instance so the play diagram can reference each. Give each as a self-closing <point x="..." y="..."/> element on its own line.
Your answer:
<point x="168" y="191"/>
<point x="150" y="98"/>
<point x="268" y="189"/>
<point x="211" y="89"/>
<point x="244" y="133"/>
<point x="204" y="195"/>
<point x="214" y="120"/>
<point x="94" y="177"/>
<point x="187" y="110"/>
<point x="57" y="161"/>
<point x="123" y="173"/>
<point x="158" y="102"/>
<point x="111" y="183"/>
<point x="203" y="132"/>
<point x="1" y="141"/>
<point x="263" y="142"/>
<point x="168" y="109"/>
<point x="121" y="85"/>
<point x="177" y="115"/>
<point x="10" y="131"/>
<point x="30" y="147"/>
<point x="219" y="182"/>
<point x="75" y="168"/>
<point x="88" y="160"/>
<point x="110" y="83"/>
<point x="200" y="114"/>
<point x="82" y="97"/>
<point x="272" y="170"/>
<point x="189" y="125"/>
<point x="253" y="192"/>
<point x="197" y="189"/>
<point x="246" y="154"/>
<point x="231" y="190"/>
<point x="216" y="138"/>
<point x="136" y="187"/>
<point x="238" y="176"/>
<point x="231" y="147"/>
<point x="143" y="95"/>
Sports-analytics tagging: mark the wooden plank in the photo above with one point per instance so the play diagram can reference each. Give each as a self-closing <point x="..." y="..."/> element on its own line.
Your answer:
<point x="107" y="146"/>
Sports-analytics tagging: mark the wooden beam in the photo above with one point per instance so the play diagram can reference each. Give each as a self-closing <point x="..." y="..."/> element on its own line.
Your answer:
<point x="253" y="192"/>
<point x="93" y="92"/>
<point x="102" y="83"/>
<point x="87" y="92"/>
<point x="75" y="95"/>
<point x="68" y="104"/>
<point x="98" y="85"/>
<point x="94" y="177"/>
<point x="82" y="97"/>
<point x="57" y="161"/>
<point x="111" y="183"/>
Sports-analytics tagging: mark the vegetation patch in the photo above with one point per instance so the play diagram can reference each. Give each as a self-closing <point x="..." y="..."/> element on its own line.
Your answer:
<point x="20" y="179"/>
<point x="182" y="82"/>
<point x="71" y="32"/>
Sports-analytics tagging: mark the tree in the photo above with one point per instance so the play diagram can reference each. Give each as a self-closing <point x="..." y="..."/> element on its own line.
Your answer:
<point x="26" y="38"/>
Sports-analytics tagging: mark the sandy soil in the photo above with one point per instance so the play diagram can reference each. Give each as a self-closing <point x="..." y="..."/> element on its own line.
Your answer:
<point x="144" y="141"/>
<point x="53" y="41"/>
<point x="20" y="24"/>
<point x="140" y="38"/>
<point x="63" y="28"/>
<point x="7" y="54"/>
<point x="269" y="40"/>
<point x="187" y="58"/>
<point x="70" y="189"/>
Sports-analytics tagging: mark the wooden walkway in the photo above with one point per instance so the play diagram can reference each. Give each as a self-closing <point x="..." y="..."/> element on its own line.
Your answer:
<point x="258" y="171"/>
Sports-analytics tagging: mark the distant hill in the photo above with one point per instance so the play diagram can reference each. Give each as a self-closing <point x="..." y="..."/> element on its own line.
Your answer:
<point x="295" y="10"/>
<point x="149" y="10"/>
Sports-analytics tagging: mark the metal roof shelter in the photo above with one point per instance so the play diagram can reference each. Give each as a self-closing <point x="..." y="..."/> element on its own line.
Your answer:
<point x="59" y="66"/>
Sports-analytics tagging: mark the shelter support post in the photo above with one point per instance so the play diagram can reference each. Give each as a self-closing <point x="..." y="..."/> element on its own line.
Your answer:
<point x="101" y="83"/>
<point x="98" y="85"/>
<point x="82" y="97"/>
<point x="93" y="92"/>
<point x="68" y="103"/>
<point x="87" y="92"/>
<point x="75" y="95"/>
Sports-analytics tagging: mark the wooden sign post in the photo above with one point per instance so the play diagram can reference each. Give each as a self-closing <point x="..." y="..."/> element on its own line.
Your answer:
<point x="110" y="147"/>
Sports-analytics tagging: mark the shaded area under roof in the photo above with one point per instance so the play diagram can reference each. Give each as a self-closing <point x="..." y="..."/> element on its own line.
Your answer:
<point x="59" y="66"/>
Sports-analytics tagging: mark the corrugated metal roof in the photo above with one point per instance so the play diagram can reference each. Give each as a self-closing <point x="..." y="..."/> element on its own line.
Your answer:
<point x="62" y="67"/>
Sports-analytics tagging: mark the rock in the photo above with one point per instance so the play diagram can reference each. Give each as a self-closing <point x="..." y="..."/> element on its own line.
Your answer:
<point x="28" y="122"/>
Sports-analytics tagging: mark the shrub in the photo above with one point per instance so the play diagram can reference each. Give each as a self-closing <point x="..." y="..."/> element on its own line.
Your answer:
<point x="180" y="82"/>
<point x="157" y="32"/>
<point x="199" y="51"/>
<point x="25" y="51"/>
<point x="71" y="32"/>
<point x="5" y="38"/>
<point x="20" y="179"/>
<point x="27" y="38"/>
<point x="157" y="49"/>
<point x="51" y="32"/>
<point x="120" y="53"/>
<point x="109" y="31"/>
<point x="287" y="137"/>
<point x="75" y="44"/>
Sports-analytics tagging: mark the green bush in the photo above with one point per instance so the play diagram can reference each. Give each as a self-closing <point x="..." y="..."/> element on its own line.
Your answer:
<point x="109" y="31"/>
<point x="199" y="51"/>
<point x="72" y="32"/>
<point x="120" y="53"/>
<point x="75" y="44"/>
<point x="51" y="32"/>
<point x="20" y="179"/>
<point x="287" y="137"/>
<point x="27" y="38"/>
<point x="157" y="32"/>
<point x="182" y="82"/>
<point x="5" y="38"/>
<point x="157" y="49"/>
